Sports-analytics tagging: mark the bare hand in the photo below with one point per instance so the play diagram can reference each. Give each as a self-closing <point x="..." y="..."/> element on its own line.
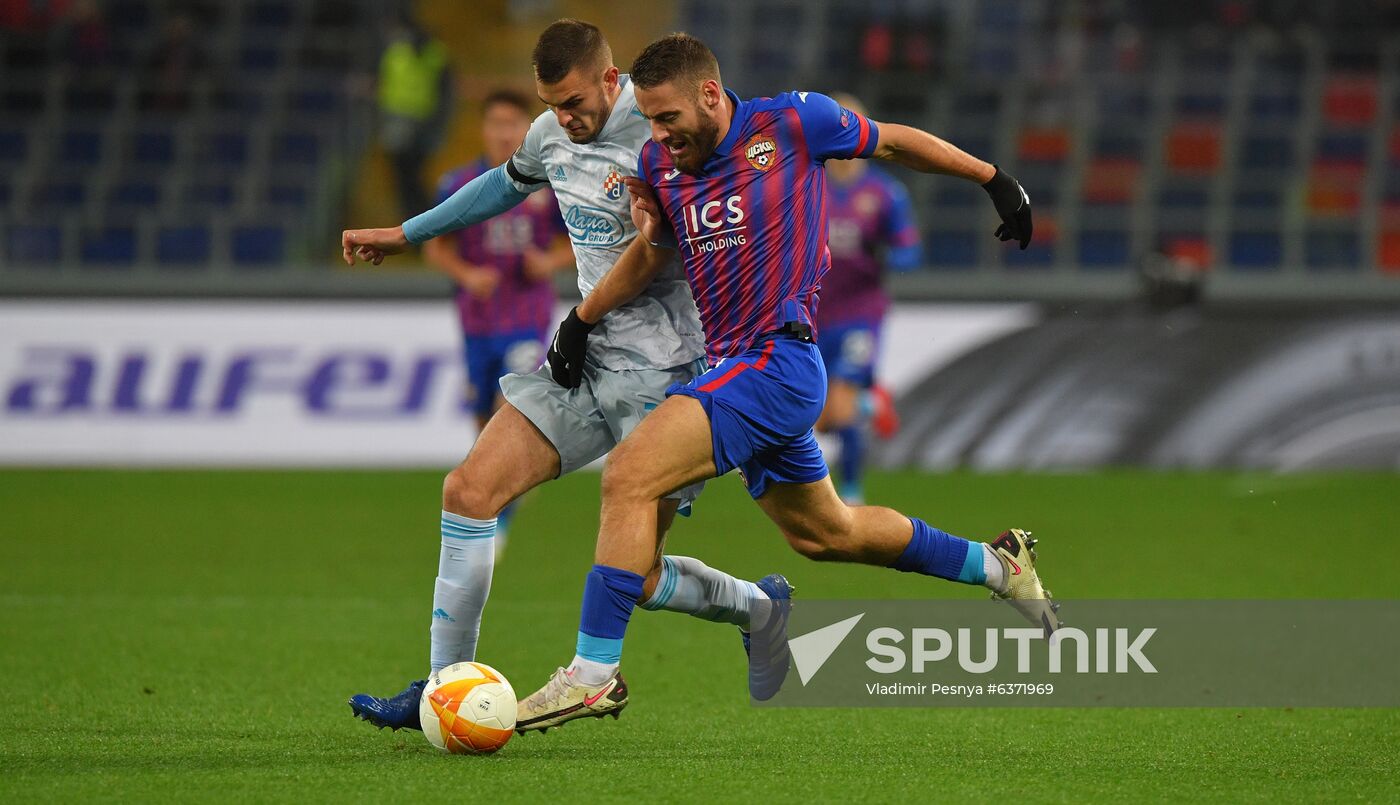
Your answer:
<point x="372" y="245"/>
<point x="536" y="264"/>
<point x="646" y="210"/>
<point x="479" y="282"/>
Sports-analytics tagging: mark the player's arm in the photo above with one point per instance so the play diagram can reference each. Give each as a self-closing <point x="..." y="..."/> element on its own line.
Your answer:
<point x="486" y="196"/>
<point x="625" y="281"/>
<point x="923" y="152"/>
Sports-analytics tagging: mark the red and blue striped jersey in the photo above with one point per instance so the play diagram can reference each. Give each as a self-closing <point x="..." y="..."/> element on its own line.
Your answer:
<point x="519" y="303"/>
<point x="751" y="225"/>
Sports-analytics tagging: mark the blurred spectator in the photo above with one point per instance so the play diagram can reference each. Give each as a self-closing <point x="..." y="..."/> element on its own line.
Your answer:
<point x="414" y="93"/>
<point x="176" y="60"/>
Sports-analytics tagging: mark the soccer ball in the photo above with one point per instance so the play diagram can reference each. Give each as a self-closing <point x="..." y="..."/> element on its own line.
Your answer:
<point x="467" y="708"/>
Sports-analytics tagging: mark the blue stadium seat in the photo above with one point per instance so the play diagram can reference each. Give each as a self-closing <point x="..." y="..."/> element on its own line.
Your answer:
<point x="91" y="98"/>
<point x="1347" y="147"/>
<point x="257" y="58"/>
<point x="183" y="245"/>
<point x="1332" y="249"/>
<point x="1255" y="250"/>
<point x="299" y="148"/>
<point x="1112" y="144"/>
<point x="957" y="194"/>
<point x="1267" y="152"/>
<point x="269" y="14"/>
<point x="59" y="194"/>
<point x="1103" y="249"/>
<point x="14" y="146"/>
<point x="227" y="149"/>
<point x="1259" y="200"/>
<point x="108" y="246"/>
<point x="34" y="243"/>
<point x="153" y="147"/>
<point x="21" y="101"/>
<point x="80" y="147"/>
<point x="1183" y="198"/>
<point x="282" y="194"/>
<point x="952" y="248"/>
<point x="1201" y="104"/>
<point x="1276" y="106"/>
<point x="257" y="246"/>
<point x="316" y="100"/>
<point x="1038" y="255"/>
<point x="208" y="193"/>
<point x="136" y="193"/>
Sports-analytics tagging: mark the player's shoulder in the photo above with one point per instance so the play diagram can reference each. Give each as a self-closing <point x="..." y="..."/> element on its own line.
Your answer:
<point x="799" y="99"/>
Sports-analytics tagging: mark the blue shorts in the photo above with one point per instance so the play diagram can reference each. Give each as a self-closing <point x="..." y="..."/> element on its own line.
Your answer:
<point x="762" y="405"/>
<point x="850" y="351"/>
<point x="489" y="357"/>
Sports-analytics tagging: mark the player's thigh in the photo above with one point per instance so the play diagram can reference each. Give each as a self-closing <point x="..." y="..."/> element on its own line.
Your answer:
<point x="510" y="458"/>
<point x="669" y="449"/>
<point x="811" y="516"/>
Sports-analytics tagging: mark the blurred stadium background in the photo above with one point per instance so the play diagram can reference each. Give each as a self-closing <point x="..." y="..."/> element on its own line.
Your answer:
<point x="1213" y="289"/>
<point x="1215" y="182"/>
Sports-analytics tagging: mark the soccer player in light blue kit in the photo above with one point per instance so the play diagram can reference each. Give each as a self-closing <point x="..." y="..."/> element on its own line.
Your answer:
<point x="502" y="268"/>
<point x="583" y="148"/>
<point x="870" y="224"/>
<point x="738" y="187"/>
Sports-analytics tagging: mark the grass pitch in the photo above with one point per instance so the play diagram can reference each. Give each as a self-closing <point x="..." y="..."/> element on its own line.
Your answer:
<point x="194" y="636"/>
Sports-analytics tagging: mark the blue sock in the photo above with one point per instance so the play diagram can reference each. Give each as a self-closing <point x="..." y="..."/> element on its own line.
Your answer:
<point x="609" y="595"/>
<point x="938" y="553"/>
<point x="852" y="460"/>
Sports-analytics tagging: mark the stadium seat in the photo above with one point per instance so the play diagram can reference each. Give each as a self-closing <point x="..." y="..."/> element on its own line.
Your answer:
<point x="57" y="194"/>
<point x="1335" y="189"/>
<point x="208" y="193"/>
<point x="287" y="194"/>
<point x="1350" y="100"/>
<point x="183" y="245"/>
<point x="1043" y="144"/>
<point x="80" y="147"/>
<point x="87" y="99"/>
<point x="111" y="246"/>
<point x="1278" y="107"/>
<point x="1267" y="153"/>
<point x="952" y="248"/>
<point x="1336" y="249"/>
<point x="155" y="148"/>
<point x="259" y="58"/>
<point x="1191" y="248"/>
<point x="134" y="193"/>
<point x="1388" y="252"/>
<point x="227" y="149"/>
<point x="1255" y="250"/>
<point x="1193" y="149"/>
<point x="14" y="146"/>
<point x="1258" y="200"/>
<point x="313" y="101"/>
<point x="1183" y="198"/>
<point x="19" y="100"/>
<point x="1111" y="180"/>
<point x="269" y="14"/>
<point x="1103" y="249"/>
<point x="257" y="246"/>
<point x="957" y="194"/>
<point x="1349" y="148"/>
<point x="34" y="244"/>
<point x="296" y="148"/>
<point x="1201" y="105"/>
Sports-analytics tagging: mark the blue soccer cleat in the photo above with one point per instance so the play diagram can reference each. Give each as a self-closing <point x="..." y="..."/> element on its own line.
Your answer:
<point x="768" y="670"/>
<point x="396" y="712"/>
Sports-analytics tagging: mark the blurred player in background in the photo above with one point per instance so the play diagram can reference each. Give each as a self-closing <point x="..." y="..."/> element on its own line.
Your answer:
<point x="870" y="228"/>
<point x="502" y="268"/>
<point x="568" y="414"/>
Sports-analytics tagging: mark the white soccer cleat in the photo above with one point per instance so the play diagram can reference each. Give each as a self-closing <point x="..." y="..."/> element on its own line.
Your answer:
<point x="1023" y="590"/>
<point x="561" y="699"/>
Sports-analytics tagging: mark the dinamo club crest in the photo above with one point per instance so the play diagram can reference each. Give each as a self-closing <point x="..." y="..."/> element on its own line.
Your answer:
<point x="761" y="152"/>
<point x="612" y="185"/>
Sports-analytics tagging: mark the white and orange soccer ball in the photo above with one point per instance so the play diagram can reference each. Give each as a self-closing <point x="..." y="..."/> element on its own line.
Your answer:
<point x="468" y="708"/>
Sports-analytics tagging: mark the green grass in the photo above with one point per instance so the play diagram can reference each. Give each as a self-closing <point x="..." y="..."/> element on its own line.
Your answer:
<point x="194" y="636"/>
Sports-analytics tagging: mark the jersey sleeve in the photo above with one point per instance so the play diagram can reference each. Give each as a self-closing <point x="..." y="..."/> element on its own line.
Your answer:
<point x="525" y="168"/>
<point x="831" y="130"/>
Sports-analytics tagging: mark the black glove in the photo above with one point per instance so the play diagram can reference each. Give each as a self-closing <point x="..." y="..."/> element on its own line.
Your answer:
<point x="1013" y="205"/>
<point x="567" y="349"/>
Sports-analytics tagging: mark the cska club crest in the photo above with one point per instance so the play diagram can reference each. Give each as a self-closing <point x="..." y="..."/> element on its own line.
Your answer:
<point x="612" y="185"/>
<point x="761" y="152"/>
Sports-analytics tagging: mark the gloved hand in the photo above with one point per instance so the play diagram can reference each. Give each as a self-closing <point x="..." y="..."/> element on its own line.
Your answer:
<point x="567" y="350"/>
<point x="1013" y="205"/>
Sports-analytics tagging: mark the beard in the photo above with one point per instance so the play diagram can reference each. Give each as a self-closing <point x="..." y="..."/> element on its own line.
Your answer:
<point x="700" y="145"/>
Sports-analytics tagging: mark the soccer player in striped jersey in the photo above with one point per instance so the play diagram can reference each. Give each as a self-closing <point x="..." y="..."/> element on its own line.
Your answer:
<point x="502" y="268"/>
<point x="870" y="224"/>
<point x="581" y="148"/>
<point x="738" y="188"/>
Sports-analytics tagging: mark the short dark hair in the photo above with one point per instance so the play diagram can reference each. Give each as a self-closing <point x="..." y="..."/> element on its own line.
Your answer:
<point x="567" y="44"/>
<point x="508" y="97"/>
<point x="676" y="57"/>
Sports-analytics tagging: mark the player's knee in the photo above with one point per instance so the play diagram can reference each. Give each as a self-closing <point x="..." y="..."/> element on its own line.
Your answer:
<point x="623" y="477"/>
<point x="462" y="494"/>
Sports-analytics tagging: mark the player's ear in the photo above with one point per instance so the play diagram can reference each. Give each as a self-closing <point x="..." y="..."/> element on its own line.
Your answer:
<point x="711" y="93"/>
<point x="610" y="77"/>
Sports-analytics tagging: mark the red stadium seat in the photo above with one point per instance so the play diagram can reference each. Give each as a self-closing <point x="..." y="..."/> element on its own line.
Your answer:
<point x="1388" y="253"/>
<point x="1350" y="100"/>
<point x="1044" y="144"/>
<point x="1111" y="180"/>
<point x="1194" y="148"/>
